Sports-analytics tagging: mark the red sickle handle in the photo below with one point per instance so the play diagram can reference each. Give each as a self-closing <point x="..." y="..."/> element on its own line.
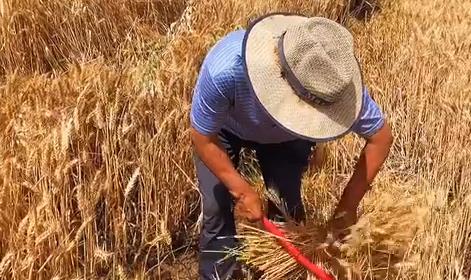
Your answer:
<point x="295" y="253"/>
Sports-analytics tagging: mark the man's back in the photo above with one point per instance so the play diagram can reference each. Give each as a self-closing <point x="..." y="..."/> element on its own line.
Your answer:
<point x="223" y="99"/>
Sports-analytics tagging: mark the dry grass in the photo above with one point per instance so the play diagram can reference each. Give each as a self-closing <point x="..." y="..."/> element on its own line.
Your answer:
<point x="46" y="35"/>
<point x="95" y="163"/>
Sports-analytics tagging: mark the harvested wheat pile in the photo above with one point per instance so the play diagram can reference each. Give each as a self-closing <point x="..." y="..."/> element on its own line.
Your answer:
<point x="378" y="247"/>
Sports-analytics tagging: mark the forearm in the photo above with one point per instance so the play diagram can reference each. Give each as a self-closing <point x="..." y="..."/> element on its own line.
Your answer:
<point x="371" y="159"/>
<point x="210" y="151"/>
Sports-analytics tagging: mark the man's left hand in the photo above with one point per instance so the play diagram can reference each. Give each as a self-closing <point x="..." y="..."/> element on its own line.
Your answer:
<point x="339" y="225"/>
<point x="338" y="229"/>
<point x="370" y="161"/>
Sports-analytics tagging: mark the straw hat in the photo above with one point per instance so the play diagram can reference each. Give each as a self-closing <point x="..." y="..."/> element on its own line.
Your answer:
<point x="304" y="73"/>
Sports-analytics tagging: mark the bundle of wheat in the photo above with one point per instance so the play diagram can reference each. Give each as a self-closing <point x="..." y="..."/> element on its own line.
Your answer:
<point x="378" y="246"/>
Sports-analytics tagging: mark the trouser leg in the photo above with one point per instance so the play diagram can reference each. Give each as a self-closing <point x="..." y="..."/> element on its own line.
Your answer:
<point x="218" y="228"/>
<point x="282" y="168"/>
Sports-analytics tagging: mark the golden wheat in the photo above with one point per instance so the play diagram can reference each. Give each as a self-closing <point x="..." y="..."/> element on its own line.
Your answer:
<point x="96" y="178"/>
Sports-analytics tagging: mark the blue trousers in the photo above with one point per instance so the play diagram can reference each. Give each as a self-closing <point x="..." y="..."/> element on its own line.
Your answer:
<point x="282" y="166"/>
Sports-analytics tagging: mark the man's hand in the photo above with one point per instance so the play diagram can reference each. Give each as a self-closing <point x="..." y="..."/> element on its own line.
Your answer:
<point x="338" y="227"/>
<point x="211" y="152"/>
<point x="250" y="205"/>
<point x="371" y="159"/>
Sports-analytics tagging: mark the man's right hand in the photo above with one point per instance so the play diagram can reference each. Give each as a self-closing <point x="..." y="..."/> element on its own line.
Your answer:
<point x="211" y="152"/>
<point x="250" y="205"/>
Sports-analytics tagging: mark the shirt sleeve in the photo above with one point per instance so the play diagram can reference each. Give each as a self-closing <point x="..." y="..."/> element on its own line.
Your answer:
<point x="211" y="101"/>
<point x="371" y="118"/>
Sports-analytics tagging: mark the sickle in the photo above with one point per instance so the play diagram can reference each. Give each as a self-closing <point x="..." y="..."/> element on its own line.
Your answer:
<point x="295" y="253"/>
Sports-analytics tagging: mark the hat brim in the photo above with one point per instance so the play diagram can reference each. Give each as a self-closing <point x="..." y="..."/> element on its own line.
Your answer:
<point x="277" y="97"/>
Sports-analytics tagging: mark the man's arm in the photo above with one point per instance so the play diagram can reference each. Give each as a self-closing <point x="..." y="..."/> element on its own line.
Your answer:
<point x="216" y="159"/>
<point x="209" y="109"/>
<point x="371" y="159"/>
<point x="214" y="156"/>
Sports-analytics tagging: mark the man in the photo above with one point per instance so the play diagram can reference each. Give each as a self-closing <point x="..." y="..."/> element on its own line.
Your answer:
<point x="287" y="82"/>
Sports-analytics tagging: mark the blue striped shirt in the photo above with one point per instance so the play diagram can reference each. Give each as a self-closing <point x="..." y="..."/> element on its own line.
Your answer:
<point x="222" y="100"/>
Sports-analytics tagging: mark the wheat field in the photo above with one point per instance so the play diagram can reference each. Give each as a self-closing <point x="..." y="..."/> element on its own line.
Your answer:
<point x="96" y="174"/>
